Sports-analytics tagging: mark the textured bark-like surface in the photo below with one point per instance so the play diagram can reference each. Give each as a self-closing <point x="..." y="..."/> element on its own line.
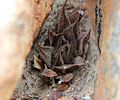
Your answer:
<point x="82" y="86"/>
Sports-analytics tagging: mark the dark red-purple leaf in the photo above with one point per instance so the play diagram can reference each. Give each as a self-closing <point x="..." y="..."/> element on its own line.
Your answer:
<point x="63" y="86"/>
<point x="48" y="72"/>
<point x="67" y="68"/>
<point x="76" y="30"/>
<point x="66" y="78"/>
<point x="59" y="61"/>
<point x="68" y="33"/>
<point x="62" y="20"/>
<point x="51" y="36"/>
<point x="58" y="69"/>
<point x="70" y="52"/>
<point x="83" y="39"/>
<point x="64" y="55"/>
<point x="87" y="36"/>
<point x="73" y="46"/>
<point x="75" y="16"/>
<point x="85" y="50"/>
<point x="45" y="52"/>
<point x="38" y="63"/>
<point x="58" y="57"/>
<point x="73" y="67"/>
<point x="60" y="42"/>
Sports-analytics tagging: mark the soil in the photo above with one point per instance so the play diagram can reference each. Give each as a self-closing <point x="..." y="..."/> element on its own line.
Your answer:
<point x="32" y="87"/>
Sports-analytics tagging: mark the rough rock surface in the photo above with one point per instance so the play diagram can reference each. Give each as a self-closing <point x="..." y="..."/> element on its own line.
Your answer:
<point x="40" y="11"/>
<point x="32" y="87"/>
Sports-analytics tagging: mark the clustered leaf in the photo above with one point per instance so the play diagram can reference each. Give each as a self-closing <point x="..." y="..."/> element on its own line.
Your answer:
<point x="63" y="50"/>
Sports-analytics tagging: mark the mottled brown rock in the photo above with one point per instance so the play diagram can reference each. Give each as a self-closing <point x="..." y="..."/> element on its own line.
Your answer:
<point x="41" y="9"/>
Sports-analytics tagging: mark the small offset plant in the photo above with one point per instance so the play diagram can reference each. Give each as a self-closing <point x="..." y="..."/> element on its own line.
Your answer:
<point x="65" y="49"/>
